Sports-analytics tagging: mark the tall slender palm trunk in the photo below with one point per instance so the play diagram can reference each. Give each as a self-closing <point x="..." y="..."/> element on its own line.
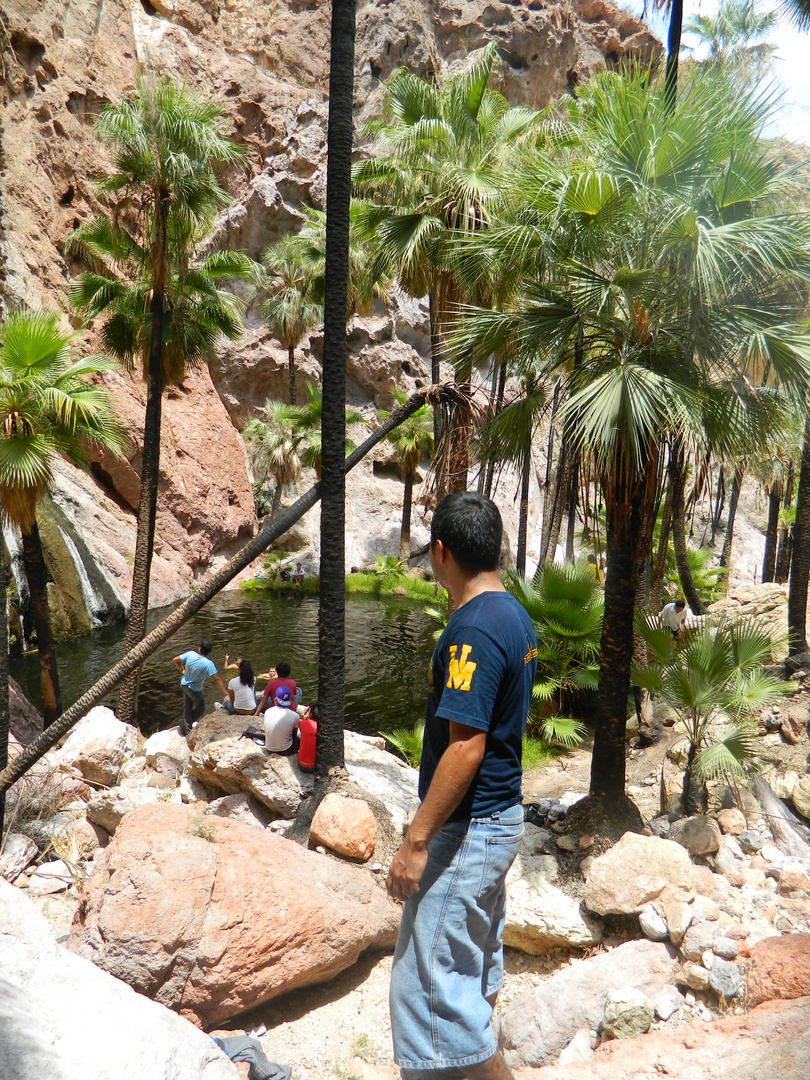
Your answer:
<point x="734" y="498"/>
<point x="291" y="372"/>
<point x="677" y="474"/>
<point x="673" y="52"/>
<point x="37" y="575"/>
<point x="800" y="566"/>
<point x="660" y="567"/>
<point x="332" y="614"/>
<point x="498" y="406"/>
<point x="407" y="505"/>
<point x="772" y="531"/>
<point x="150" y="473"/>
<point x="5" y="712"/>
<point x="523" y="521"/>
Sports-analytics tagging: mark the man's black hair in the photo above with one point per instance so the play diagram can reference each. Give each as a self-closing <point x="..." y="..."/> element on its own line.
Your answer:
<point x="680" y="603"/>
<point x="283" y="670"/>
<point x="205" y="648"/>
<point x="470" y="527"/>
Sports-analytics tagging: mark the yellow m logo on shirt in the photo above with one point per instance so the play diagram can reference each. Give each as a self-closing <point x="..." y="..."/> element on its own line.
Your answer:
<point x="460" y="671"/>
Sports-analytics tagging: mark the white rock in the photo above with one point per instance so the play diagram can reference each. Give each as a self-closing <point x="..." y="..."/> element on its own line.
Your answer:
<point x="64" y="1017"/>
<point x="628" y="1013"/>
<point x="18" y="852"/>
<point x="240" y="807"/>
<point x="51" y="877"/>
<point x="539" y="915"/>
<point x="97" y="746"/>
<point x="167" y="752"/>
<point x="108" y="808"/>
<point x="382" y="775"/>
<point x="579" y="1049"/>
<point x="653" y="925"/>
<point x="235" y="764"/>
<point x="669" y="1001"/>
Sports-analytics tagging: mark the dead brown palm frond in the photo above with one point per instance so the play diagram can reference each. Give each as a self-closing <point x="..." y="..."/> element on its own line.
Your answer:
<point x="460" y="412"/>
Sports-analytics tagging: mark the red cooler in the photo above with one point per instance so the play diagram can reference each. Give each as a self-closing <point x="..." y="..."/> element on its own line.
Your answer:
<point x="308" y="729"/>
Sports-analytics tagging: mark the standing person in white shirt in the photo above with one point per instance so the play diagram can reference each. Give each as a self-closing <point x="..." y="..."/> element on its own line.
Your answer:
<point x="242" y="692"/>
<point x="673" y="616"/>
<point x="281" y="724"/>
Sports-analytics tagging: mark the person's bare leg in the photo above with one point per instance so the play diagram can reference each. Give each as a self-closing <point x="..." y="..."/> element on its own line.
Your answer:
<point x="494" y="1068"/>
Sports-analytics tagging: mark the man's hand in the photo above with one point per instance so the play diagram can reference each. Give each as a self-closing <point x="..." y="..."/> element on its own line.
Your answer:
<point x="406" y="870"/>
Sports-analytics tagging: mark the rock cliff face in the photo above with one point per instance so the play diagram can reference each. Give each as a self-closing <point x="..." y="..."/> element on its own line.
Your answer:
<point x="267" y="60"/>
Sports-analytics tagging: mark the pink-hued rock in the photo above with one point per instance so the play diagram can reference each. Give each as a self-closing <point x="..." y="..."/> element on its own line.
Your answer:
<point x="770" y="1041"/>
<point x="779" y="968"/>
<point x="211" y="916"/>
<point x="636" y="871"/>
<point x="347" y="826"/>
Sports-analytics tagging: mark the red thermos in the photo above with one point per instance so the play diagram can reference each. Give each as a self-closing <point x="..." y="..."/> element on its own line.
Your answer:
<point x="308" y="729"/>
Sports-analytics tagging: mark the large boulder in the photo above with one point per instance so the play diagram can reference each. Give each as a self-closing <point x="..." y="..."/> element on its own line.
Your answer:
<point x="382" y="775"/>
<point x="211" y="916"/>
<point x="109" y="807"/>
<point x="235" y="764"/>
<point x="779" y="968"/>
<point x="770" y="1041"/>
<point x="167" y="752"/>
<point x="63" y="1017"/>
<point x="539" y="915"/>
<point x="97" y="746"/>
<point x="636" y="871"/>
<point x="543" y="1020"/>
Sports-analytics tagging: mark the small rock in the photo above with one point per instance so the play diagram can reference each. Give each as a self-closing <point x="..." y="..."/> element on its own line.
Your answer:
<point x="51" y="877"/>
<point x="694" y="976"/>
<point x="586" y="864"/>
<point x="585" y="842"/>
<point x="579" y="1049"/>
<point x="707" y="959"/>
<point x="704" y="909"/>
<point x="700" y="835"/>
<point x="348" y="826"/>
<point x="689" y="999"/>
<point x="18" y="852"/>
<point x="669" y="1001"/>
<point x="801" y="796"/>
<point x="567" y="843"/>
<point x="627" y="1014"/>
<point x="697" y="940"/>
<point x="751" y="841"/>
<point x="678" y="915"/>
<point x="725" y="978"/>
<point x="725" y="948"/>
<point x="732" y="821"/>
<point x="661" y="825"/>
<point x="726" y="861"/>
<point x="653" y="925"/>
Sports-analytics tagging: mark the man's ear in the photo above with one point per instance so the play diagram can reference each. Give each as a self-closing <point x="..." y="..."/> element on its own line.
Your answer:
<point x="439" y="551"/>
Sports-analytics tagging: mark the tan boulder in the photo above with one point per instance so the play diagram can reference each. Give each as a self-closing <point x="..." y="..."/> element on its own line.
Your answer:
<point x="167" y="752"/>
<point x="700" y="835"/>
<point x="801" y="795"/>
<point x="211" y="916"/>
<point x="97" y="746"/>
<point x="779" y="968"/>
<point x="108" y="808"/>
<point x="236" y="764"/>
<point x="347" y="826"/>
<point x="732" y="821"/>
<point x="636" y="871"/>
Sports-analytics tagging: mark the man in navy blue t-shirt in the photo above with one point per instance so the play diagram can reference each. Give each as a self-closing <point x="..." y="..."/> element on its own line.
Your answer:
<point x="452" y="865"/>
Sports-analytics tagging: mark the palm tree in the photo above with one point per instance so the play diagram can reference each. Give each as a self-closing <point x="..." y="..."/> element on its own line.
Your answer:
<point x="507" y="436"/>
<point x="720" y="670"/>
<point x="46" y="410"/>
<point x="165" y="143"/>
<point x="273" y="446"/>
<point x="666" y="260"/>
<point x="734" y="33"/>
<point x="435" y="173"/>
<point x="411" y="440"/>
<point x="332" y="620"/>
<point x="288" y="309"/>
<point x="306" y="427"/>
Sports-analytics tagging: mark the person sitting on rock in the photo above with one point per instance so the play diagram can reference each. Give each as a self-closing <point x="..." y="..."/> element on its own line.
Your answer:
<point x="196" y="668"/>
<point x="280" y="678"/>
<point x="298" y="574"/>
<point x="241" y="692"/>
<point x="281" y="725"/>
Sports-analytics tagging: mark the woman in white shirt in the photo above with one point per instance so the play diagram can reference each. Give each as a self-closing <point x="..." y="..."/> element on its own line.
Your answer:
<point x="242" y="691"/>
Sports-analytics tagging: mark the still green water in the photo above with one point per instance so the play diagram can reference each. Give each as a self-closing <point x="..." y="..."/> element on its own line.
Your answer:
<point x="388" y="648"/>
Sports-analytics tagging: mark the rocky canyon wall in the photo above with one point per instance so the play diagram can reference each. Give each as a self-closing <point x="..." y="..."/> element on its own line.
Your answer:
<point x="267" y="61"/>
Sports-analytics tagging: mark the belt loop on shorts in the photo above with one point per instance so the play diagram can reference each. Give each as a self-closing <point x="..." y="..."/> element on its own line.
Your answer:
<point x="496" y="816"/>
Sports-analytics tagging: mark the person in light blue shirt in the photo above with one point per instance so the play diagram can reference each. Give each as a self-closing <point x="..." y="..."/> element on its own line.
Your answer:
<point x="196" y="668"/>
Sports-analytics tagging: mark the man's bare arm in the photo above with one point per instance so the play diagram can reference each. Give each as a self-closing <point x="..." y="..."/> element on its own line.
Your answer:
<point x="454" y="774"/>
<point x="220" y="683"/>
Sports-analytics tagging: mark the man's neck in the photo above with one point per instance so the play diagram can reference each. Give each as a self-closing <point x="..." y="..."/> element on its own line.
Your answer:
<point x="467" y="588"/>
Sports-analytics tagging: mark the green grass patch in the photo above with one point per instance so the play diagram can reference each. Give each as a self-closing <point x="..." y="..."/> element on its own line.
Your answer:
<point x="537" y="752"/>
<point x="310" y="585"/>
<point x="411" y="588"/>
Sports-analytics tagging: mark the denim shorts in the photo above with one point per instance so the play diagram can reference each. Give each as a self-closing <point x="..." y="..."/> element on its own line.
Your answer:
<point x="449" y="955"/>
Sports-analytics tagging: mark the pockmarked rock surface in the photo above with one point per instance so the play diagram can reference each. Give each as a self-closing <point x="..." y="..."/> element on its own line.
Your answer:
<point x="387" y="778"/>
<point x="770" y="1041"/>
<point x="108" y="808"/>
<point x="235" y="764"/>
<point x="536" y="1027"/>
<point x="345" y="825"/>
<point x="167" y="752"/>
<point x="634" y="872"/>
<point x="699" y="835"/>
<point x="61" y="1017"/>
<point x="211" y="916"/>
<point x="779" y="968"/>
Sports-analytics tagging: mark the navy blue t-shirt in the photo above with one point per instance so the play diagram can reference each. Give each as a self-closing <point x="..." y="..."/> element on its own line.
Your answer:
<point x="481" y="675"/>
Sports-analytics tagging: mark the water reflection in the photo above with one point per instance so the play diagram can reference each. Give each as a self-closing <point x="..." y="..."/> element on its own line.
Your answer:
<point x="388" y="648"/>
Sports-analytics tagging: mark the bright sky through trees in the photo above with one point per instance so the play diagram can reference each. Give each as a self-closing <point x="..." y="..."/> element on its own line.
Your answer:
<point x="791" y="68"/>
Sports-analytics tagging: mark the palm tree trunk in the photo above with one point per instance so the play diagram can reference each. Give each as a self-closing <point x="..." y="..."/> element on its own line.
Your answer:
<point x="38" y="585"/>
<point x="405" y="531"/>
<point x="435" y="364"/>
<point x="571" y="508"/>
<point x="772" y="531"/>
<point x="332" y="614"/>
<point x="657" y="583"/>
<point x="523" y="523"/>
<point x="673" y="51"/>
<point x="627" y="531"/>
<point x="276" y="499"/>
<point x="5" y="715"/>
<point x="291" y="371"/>
<point x="734" y="498"/>
<point x="800" y="568"/>
<point x="677" y="473"/>
<point x="551" y="528"/>
<point x="720" y="501"/>
<point x="695" y="793"/>
<point x="498" y="407"/>
<point x="270" y="532"/>
<point x="150" y="474"/>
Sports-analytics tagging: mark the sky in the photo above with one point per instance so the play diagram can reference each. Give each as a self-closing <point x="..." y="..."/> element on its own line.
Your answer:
<point x="792" y="66"/>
